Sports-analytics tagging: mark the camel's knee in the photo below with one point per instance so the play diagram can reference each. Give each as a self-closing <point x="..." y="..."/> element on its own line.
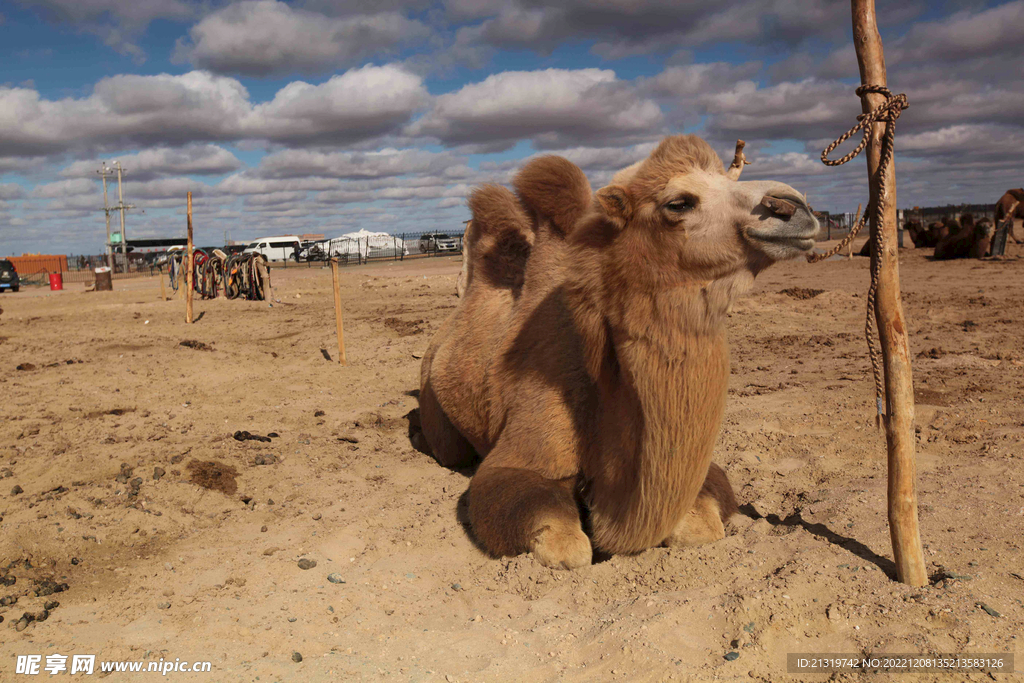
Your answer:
<point x="705" y="521"/>
<point x="514" y="511"/>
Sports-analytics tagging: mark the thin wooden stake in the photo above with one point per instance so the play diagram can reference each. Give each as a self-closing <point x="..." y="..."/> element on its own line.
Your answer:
<point x="163" y="287"/>
<point x="188" y="266"/>
<point x="892" y="327"/>
<point x="337" y="312"/>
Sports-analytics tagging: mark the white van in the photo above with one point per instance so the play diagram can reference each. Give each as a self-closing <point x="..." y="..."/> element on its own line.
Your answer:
<point x="279" y="248"/>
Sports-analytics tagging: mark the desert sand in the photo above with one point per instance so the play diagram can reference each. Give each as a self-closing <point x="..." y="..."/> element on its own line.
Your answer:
<point x="121" y="482"/>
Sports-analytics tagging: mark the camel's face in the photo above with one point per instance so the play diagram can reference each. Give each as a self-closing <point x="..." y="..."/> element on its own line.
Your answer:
<point x="718" y="211"/>
<point x="712" y="224"/>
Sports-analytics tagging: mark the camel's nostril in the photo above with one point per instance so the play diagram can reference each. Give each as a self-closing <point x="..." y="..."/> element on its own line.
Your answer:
<point x="779" y="206"/>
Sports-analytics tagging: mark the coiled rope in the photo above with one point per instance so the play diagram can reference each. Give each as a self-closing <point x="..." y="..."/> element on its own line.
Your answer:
<point x="886" y="112"/>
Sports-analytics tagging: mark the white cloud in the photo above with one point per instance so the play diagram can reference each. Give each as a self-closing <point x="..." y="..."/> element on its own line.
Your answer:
<point x="129" y="110"/>
<point x="10" y="191"/>
<point x="159" y="161"/>
<point x="359" y="104"/>
<point x="386" y="162"/>
<point x="266" y="37"/>
<point x="119" y="23"/>
<point x="552" y="107"/>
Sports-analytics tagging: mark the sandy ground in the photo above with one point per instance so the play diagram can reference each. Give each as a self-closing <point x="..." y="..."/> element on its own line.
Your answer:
<point x="202" y="563"/>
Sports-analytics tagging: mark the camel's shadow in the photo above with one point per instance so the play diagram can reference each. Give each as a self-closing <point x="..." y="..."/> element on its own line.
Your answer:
<point x="821" y="531"/>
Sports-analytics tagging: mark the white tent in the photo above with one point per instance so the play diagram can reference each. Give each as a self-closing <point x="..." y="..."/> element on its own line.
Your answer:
<point x="366" y="243"/>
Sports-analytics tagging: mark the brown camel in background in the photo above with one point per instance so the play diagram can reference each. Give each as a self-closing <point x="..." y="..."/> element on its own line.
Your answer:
<point x="971" y="241"/>
<point x="587" y="363"/>
<point x="1004" y="205"/>
<point x="922" y="236"/>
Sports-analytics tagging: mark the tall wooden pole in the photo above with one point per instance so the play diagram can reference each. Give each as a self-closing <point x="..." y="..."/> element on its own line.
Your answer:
<point x="188" y="265"/>
<point x="892" y="327"/>
<point x="337" y="312"/>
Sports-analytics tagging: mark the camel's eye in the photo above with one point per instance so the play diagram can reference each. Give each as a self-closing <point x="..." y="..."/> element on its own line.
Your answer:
<point x="681" y="204"/>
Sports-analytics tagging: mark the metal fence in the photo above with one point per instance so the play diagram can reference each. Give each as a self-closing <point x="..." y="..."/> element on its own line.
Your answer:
<point x="348" y="251"/>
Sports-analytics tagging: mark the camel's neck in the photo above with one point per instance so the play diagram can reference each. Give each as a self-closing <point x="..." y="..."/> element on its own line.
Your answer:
<point x="661" y="392"/>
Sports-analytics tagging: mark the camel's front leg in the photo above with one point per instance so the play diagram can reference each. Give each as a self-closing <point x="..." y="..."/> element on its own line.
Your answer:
<point x="705" y="521"/>
<point x="514" y="511"/>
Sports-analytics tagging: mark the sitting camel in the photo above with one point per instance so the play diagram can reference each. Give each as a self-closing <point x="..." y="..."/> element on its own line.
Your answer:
<point x="971" y="241"/>
<point x="587" y="363"/>
<point x="1005" y="205"/>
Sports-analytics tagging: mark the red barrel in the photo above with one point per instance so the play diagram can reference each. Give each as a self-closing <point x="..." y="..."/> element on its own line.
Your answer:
<point x="56" y="282"/>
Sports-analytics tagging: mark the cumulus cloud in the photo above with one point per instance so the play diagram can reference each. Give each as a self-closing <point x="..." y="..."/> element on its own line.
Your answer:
<point x="551" y="107"/>
<point x="10" y="191"/>
<point x="621" y="28"/>
<point x="359" y="104"/>
<point x="333" y="164"/>
<point x="119" y="23"/>
<point x="161" y="161"/>
<point x="802" y="110"/>
<point x="130" y="110"/>
<point x="267" y="37"/>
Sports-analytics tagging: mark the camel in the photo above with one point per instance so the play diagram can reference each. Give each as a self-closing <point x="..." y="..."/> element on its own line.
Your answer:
<point x="1005" y="205"/>
<point x="971" y="241"/>
<point x="587" y="364"/>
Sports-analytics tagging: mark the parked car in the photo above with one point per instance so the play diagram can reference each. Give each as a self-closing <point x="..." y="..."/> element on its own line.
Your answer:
<point x="280" y="248"/>
<point x="438" y="241"/>
<point x="9" y="276"/>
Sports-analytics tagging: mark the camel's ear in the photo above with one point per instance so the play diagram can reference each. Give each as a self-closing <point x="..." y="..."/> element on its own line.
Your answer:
<point x="616" y="202"/>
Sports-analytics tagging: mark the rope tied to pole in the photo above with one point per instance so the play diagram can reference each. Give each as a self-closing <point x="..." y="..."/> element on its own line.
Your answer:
<point x="887" y="113"/>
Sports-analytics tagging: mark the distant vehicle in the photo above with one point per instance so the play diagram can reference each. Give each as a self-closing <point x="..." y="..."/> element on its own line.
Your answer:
<point x="156" y="259"/>
<point x="9" y="276"/>
<point x="278" y="248"/>
<point x="438" y="241"/>
<point x="312" y="251"/>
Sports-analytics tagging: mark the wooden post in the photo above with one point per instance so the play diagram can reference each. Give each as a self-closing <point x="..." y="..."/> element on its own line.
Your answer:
<point x="163" y="287"/>
<point x="188" y="265"/>
<point x="337" y="312"/>
<point x="1002" y="230"/>
<point x="892" y="327"/>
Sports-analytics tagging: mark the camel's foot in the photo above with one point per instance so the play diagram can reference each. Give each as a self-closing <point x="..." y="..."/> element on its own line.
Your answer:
<point x="703" y="524"/>
<point x="562" y="545"/>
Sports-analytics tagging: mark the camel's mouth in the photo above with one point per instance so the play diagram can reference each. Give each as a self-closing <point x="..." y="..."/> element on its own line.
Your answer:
<point x="778" y="241"/>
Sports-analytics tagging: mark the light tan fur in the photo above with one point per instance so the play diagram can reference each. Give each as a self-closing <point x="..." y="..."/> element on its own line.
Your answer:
<point x="597" y="377"/>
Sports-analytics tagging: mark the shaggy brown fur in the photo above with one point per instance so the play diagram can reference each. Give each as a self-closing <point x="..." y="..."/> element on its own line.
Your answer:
<point x="598" y="377"/>
<point x="463" y="278"/>
<point x="971" y="241"/>
<point x="1003" y="208"/>
<point x="917" y="232"/>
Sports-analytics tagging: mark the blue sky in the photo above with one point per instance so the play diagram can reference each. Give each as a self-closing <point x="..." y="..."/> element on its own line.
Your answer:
<point x="328" y="117"/>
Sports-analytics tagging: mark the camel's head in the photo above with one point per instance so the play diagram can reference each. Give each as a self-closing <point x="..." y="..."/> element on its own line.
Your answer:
<point x="680" y="210"/>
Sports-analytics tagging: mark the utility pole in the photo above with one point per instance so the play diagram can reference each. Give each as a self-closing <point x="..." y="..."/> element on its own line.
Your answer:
<point x="106" y="210"/>
<point x="121" y="207"/>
